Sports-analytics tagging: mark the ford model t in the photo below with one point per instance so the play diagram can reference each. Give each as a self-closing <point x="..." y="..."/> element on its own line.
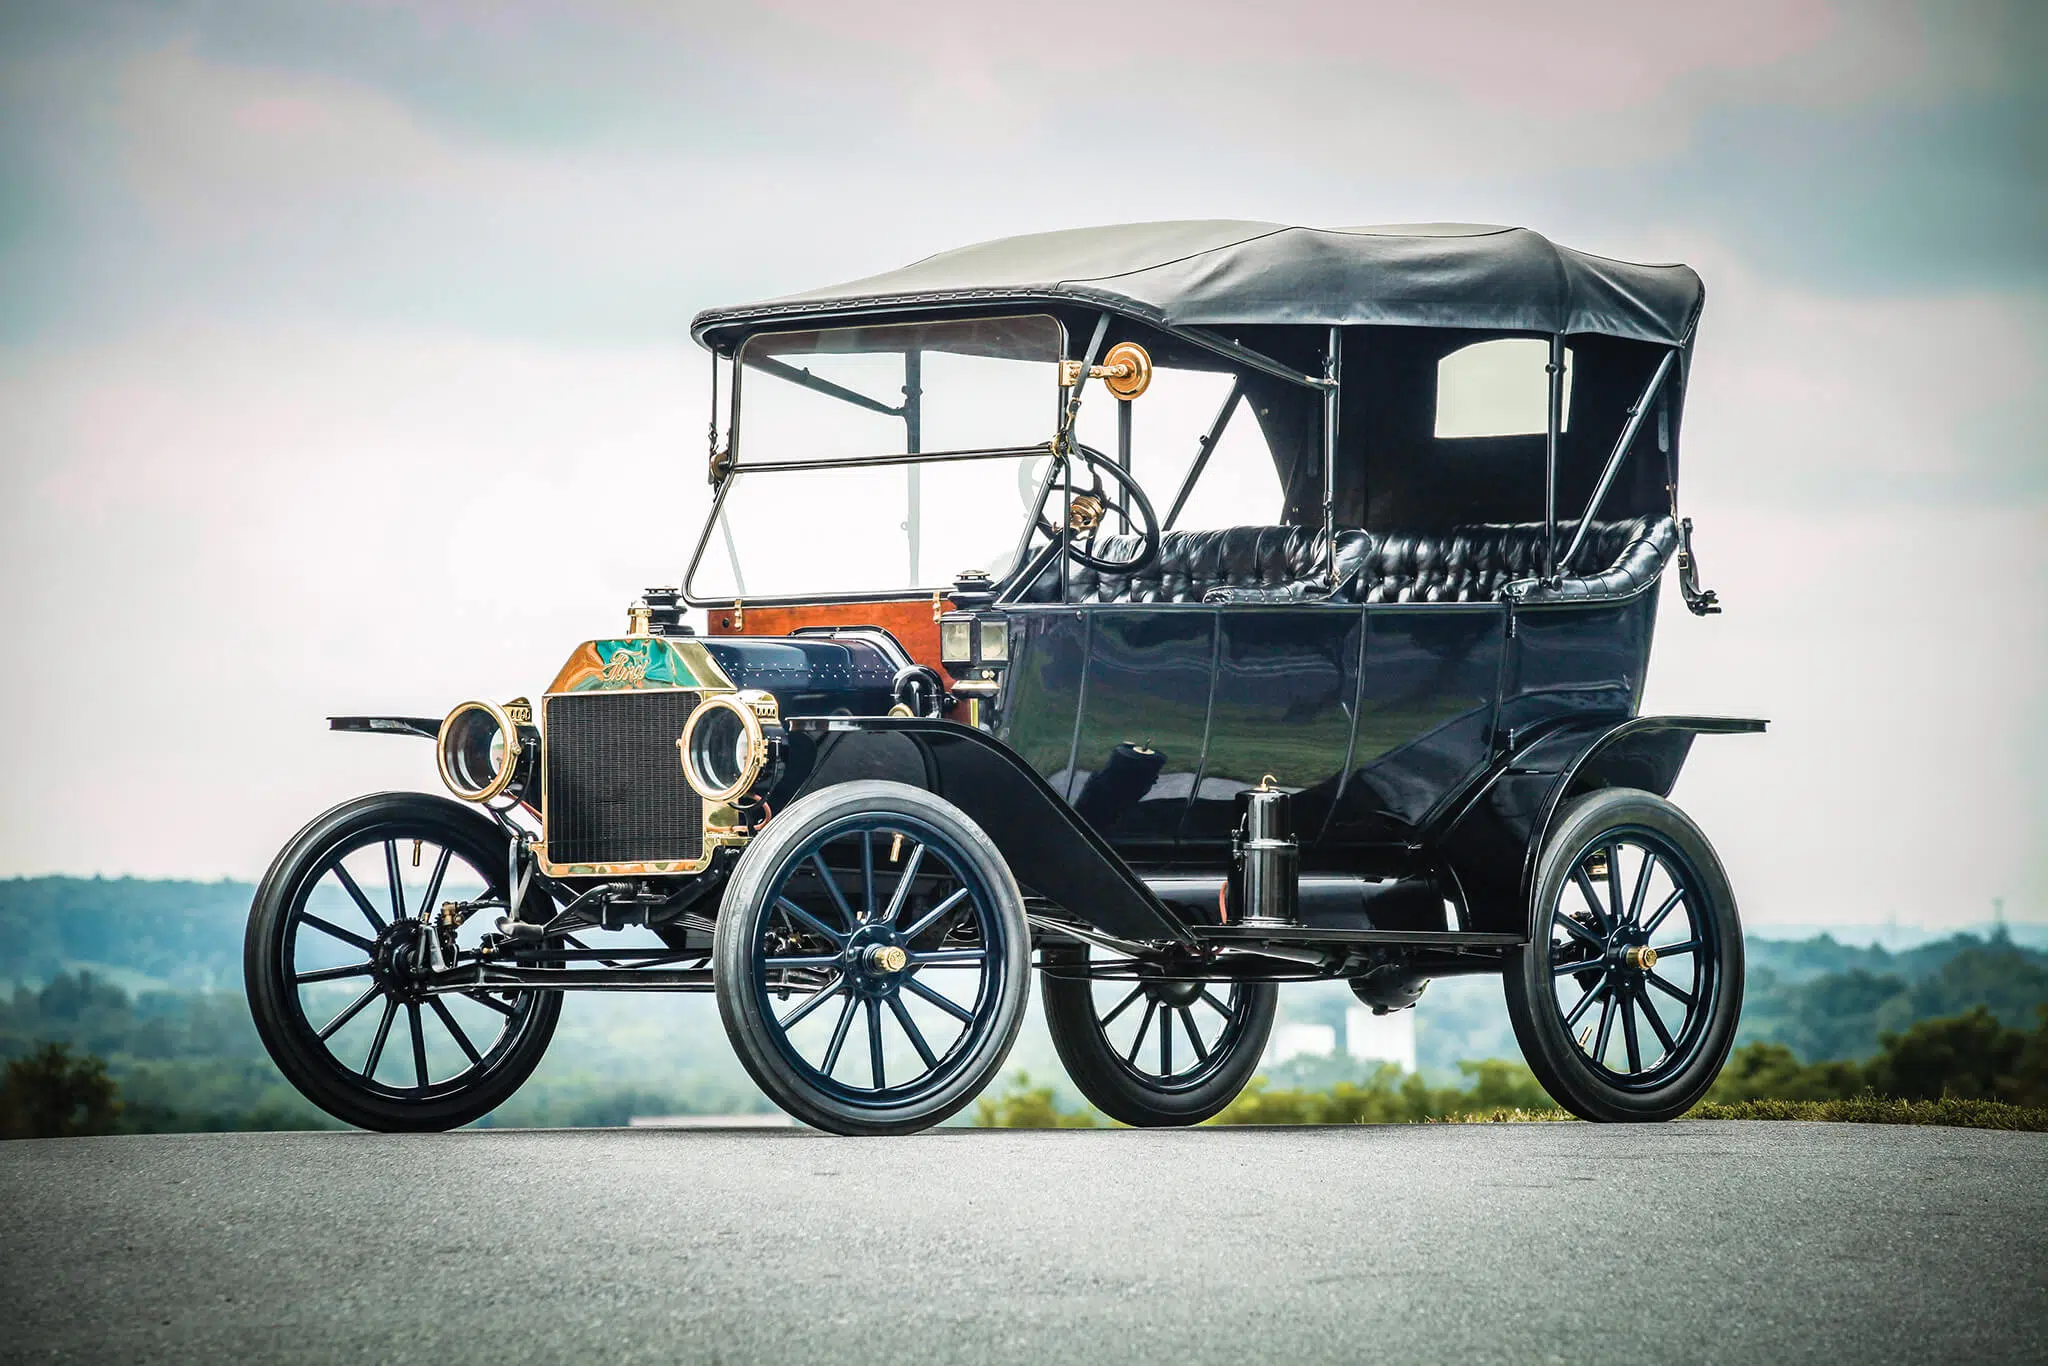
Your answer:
<point x="1177" y="609"/>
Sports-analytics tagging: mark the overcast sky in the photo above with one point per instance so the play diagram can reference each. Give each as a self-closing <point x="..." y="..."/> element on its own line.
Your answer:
<point x="344" y="361"/>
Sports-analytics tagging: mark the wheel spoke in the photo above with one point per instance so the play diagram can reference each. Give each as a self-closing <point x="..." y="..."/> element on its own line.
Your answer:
<point x="1614" y="902"/>
<point x="1635" y="899"/>
<point x="331" y="974"/>
<point x="419" y="1043"/>
<point x="825" y="876"/>
<point x="433" y="893"/>
<point x="1679" y="950"/>
<point x="935" y="914"/>
<point x="903" y="883"/>
<point x="1577" y="930"/>
<point x="485" y="999"/>
<point x="1674" y="899"/>
<point x="1683" y="997"/>
<point x="1187" y="1020"/>
<point x="1656" y="1022"/>
<point x="1606" y="1025"/>
<point x="455" y="1030"/>
<point x="1593" y="993"/>
<point x="1585" y="885"/>
<point x="1165" y="1041"/>
<point x="839" y="1034"/>
<point x="1143" y="1025"/>
<point x="391" y="872"/>
<point x="948" y="958"/>
<point x="329" y="927"/>
<point x="902" y="1015"/>
<point x="354" y="890"/>
<point x="798" y="913"/>
<point x="1123" y="1005"/>
<point x="1219" y="1007"/>
<point x="881" y="1075"/>
<point x="816" y="999"/>
<point x="1628" y="1033"/>
<point x="867" y="874"/>
<point x="950" y="1006"/>
<point x="349" y="1012"/>
<point x="1575" y="966"/>
<point x="383" y="1033"/>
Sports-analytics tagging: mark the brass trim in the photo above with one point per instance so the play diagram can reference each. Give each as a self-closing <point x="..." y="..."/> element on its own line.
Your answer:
<point x="1084" y="514"/>
<point x="639" y="620"/>
<point x="1642" y="957"/>
<point x="748" y="706"/>
<point x="497" y="785"/>
<point x="1125" y="370"/>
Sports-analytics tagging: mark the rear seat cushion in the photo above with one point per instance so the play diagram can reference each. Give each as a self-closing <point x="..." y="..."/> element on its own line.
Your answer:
<point x="1476" y="563"/>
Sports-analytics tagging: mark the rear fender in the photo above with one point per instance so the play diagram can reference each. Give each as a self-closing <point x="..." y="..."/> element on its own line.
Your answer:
<point x="1050" y="849"/>
<point x="1493" y="839"/>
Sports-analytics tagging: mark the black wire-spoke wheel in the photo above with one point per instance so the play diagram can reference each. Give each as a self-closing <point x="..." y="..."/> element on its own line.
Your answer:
<point x="1626" y="998"/>
<point x="871" y="959"/>
<point x="1152" y="1052"/>
<point x="337" y="953"/>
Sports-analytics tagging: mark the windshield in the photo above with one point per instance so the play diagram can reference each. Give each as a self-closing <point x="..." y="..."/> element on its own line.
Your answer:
<point x="968" y="396"/>
<point x="859" y="392"/>
<point x="866" y="527"/>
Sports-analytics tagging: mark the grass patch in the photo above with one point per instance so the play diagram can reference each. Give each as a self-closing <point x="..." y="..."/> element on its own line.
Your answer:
<point x="1951" y="1111"/>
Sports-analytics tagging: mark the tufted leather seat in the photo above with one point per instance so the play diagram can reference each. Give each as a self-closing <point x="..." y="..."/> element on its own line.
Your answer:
<point x="1476" y="563"/>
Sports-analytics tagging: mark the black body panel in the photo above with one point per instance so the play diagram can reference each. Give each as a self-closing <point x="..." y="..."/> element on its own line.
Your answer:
<point x="1052" y="853"/>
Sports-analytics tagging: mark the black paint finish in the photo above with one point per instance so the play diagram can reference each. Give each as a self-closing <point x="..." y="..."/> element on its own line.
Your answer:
<point x="1426" y="719"/>
<point x="1286" y="689"/>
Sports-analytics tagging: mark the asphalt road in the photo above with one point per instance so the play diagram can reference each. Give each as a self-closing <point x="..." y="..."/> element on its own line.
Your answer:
<point x="1523" y="1243"/>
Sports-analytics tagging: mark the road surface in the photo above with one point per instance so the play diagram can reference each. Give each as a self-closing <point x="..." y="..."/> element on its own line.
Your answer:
<point x="1467" y="1243"/>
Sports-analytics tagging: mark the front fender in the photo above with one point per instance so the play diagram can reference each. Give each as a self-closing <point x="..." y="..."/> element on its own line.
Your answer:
<point x="1050" y="849"/>
<point x="1493" y="839"/>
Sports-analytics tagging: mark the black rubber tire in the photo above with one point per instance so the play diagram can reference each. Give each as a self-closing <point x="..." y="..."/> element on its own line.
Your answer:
<point x="273" y="1002"/>
<point x="1129" y="1096"/>
<point x="1547" y="1044"/>
<point x="754" y="1037"/>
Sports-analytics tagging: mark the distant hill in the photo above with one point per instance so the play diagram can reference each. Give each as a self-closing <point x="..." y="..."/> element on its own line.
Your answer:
<point x="1821" y="996"/>
<point x="140" y="932"/>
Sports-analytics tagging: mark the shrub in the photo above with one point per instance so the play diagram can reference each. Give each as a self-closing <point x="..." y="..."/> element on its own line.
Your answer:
<point x="50" y="1094"/>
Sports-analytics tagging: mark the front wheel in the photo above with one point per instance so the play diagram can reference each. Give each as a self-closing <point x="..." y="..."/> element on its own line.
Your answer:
<point x="335" y="956"/>
<point x="1626" y="997"/>
<point x="1153" y="1052"/>
<point x="871" y="959"/>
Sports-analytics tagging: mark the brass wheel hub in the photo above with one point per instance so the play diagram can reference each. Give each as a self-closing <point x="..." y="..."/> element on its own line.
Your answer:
<point x="887" y="958"/>
<point x="1642" y="958"/>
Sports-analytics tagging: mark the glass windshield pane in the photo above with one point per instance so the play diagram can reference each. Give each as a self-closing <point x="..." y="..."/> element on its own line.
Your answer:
<point x="886" y="526"/>
<point x="857" y="392"/>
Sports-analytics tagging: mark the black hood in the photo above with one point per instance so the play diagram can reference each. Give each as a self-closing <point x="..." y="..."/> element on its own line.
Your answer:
<point x="809" y="677"/>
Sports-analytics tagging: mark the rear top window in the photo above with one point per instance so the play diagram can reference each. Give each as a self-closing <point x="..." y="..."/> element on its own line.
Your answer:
<point x="1498" y="388"/>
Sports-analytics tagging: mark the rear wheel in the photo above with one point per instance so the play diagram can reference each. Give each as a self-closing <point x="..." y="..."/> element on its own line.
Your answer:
<point x="1154" y="1053"/>
<point x="335" y="950"/>
<point x="1625" y="1000"/>
<point x="871" y="959"/>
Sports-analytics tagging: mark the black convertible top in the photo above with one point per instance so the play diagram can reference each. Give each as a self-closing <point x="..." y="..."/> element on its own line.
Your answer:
<point x="1219" y="272"/>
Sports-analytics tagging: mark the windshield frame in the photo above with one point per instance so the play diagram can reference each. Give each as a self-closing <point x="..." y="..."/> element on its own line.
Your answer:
<point x="736" y="427"/>
<point x="910" y="459"/>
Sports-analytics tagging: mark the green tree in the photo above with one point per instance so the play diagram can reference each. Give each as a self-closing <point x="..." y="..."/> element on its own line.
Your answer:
<point x="50" y="1094"/>
<point x="1970" y="1056"/>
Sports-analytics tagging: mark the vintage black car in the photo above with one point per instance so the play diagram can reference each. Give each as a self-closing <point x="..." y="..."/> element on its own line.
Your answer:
<point x="1177" y="608"/>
